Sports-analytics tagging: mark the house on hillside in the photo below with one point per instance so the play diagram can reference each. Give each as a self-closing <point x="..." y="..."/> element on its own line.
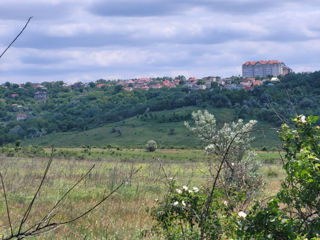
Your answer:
<point x="245" y="84"/>
<point x="275" y="79"/>
<point x="14" y="95"/>
<point x="168" y="84"/>
<point x="232" y="86"/>
<point x="21" y="116"/>
<point x="39" y="86"/>
<point x="209" y="80"/>
<point x="176" y="81"/>
<point x="100" y="85"/>
<point x="156" y="86"/>
<point x="40" y="96"/>
<point x="128" y="89"/>
<point x="257" y="83"/>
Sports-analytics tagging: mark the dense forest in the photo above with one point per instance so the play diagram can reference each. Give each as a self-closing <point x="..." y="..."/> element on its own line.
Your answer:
<point x="33" y="110"/>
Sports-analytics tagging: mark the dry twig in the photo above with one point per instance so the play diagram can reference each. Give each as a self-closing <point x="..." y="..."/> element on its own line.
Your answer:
<point x="22" y="30"/>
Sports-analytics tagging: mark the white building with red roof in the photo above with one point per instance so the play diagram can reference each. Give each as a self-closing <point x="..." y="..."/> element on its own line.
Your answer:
<point x="264" y="68"/>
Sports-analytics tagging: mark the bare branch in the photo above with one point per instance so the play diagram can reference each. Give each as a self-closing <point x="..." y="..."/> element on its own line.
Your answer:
<point x="45" y="225"/>
<point x="26" y="214"/>
<point x="104" y="198"/>
<point x="25" y="26"/>
<point x="6" y="200"/>
<point x="47" y="216"/>
<point x="210" y="197"/>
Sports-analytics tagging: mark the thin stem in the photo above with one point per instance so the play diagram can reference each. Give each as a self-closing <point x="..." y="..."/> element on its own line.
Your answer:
<point x="26" y="214"/>
<point x="25" y="26"/>
<point x="6" y="200"/>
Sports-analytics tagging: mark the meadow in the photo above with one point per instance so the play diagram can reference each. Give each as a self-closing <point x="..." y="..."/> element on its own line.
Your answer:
<point x="136" y="131"/>
<point x="124" y="215"/>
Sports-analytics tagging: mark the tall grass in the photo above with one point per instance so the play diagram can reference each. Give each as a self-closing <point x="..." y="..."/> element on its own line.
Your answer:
<point x="124" y="215"/>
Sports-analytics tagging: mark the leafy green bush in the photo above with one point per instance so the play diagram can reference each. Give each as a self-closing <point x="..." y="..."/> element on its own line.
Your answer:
<point x="151" y="146"/>
<point x="292" y="214"/>
<point x="299" y="196"/>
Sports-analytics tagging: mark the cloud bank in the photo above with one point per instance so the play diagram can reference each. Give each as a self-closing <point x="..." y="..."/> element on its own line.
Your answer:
<point x="84" y="40"/>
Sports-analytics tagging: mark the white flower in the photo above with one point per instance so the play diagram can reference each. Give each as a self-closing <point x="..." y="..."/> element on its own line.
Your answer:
<point x="232" y="164"/>
<point x="190" y="191"/>
<point x="175" y="203"/>
<point x="183" y="203"/>
<point x="242" y="214"/>
<point x="195" y="189"/>
<point x="178" y="191"/>
<point x="185" y="187"/>
<point x="225" y="202"/>
<point x="303" y="119"/>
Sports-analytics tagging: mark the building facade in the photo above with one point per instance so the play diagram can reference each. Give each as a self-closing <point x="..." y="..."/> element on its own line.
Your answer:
<point x="264" y="69"/>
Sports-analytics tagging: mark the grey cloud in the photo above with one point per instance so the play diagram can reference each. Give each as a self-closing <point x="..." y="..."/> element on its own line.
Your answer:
<point x="39" y="40"/>
<point x="40" y="10"/>
<point x="286" y="36"/>
<point x="134" y="8"/>
<point x="143" y="8"/>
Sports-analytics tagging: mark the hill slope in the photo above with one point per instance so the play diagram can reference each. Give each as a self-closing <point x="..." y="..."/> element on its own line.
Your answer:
<point x="135" y="132"/>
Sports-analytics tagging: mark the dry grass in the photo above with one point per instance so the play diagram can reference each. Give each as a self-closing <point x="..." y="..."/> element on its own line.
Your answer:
<point x="123" y="216"/>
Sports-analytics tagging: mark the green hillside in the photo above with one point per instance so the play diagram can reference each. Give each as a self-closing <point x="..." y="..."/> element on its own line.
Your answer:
<point x="135" y="132"/>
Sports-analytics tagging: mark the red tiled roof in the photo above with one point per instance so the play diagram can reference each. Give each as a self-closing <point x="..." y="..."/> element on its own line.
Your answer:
<point x="257" y="83"/>
<point x="262" y="62"/>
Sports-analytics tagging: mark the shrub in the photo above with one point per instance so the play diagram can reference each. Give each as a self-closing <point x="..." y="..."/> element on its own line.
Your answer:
<point x="299" y="196"/>
<point x="151" y="146"/>
<point x="214" y="212"/>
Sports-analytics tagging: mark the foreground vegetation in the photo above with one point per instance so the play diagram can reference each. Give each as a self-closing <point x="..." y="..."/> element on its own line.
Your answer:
<point x="217" y="196"/>
<point x="124" y="216"/>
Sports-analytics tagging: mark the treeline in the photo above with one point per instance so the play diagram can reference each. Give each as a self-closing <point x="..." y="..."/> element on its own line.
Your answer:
<point x="80" y="107"/>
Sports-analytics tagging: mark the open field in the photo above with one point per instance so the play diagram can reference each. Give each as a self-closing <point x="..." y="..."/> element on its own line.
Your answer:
<point x="124" y="215"/>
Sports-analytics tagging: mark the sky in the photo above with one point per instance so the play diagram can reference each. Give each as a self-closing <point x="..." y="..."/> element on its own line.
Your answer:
<point x="86" y="40"/>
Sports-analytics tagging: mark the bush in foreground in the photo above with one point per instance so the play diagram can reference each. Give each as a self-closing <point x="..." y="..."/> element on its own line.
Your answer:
<point x="192" y="213"/>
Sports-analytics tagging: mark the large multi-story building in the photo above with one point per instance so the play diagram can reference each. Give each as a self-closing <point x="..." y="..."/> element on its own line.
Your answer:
<point x="264" y="68"/>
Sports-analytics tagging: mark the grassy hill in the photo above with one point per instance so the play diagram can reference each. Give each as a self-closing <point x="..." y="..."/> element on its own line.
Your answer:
<point x="135" y="132"/>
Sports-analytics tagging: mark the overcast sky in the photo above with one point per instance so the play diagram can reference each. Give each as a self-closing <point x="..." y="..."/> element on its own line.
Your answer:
<point x="85" y="40"/>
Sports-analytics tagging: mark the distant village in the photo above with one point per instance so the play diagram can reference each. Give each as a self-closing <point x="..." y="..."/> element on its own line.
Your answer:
<point x="254" y="74"/>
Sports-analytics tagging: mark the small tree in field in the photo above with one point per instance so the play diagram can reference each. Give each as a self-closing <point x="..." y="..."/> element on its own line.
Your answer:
<point x="240" y="174"/>
<point x="151" y="146"/>
<point x="212" y="212"/>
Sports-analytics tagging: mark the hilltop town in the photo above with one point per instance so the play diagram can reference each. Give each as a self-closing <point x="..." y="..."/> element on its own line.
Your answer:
<point x="254" y="73"/>
<point x="267" y="72"/>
